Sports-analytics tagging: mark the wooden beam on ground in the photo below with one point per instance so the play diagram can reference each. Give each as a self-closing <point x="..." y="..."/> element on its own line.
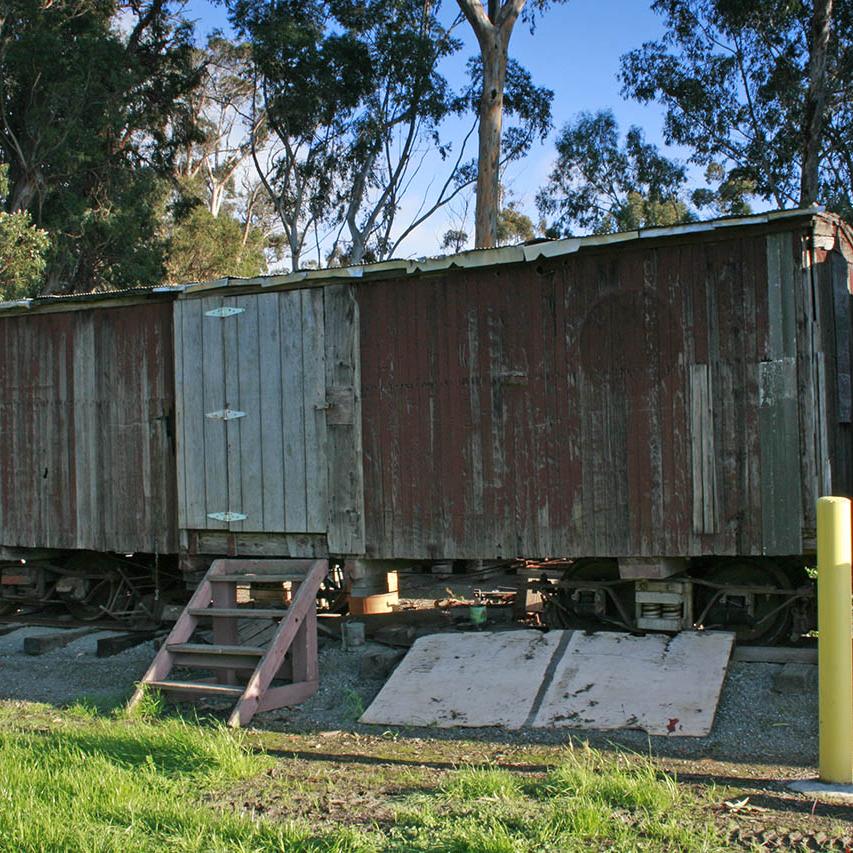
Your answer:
<point x="44" y="643"/>
<point x="773" y="654"/>
<point x="109" y="646"/>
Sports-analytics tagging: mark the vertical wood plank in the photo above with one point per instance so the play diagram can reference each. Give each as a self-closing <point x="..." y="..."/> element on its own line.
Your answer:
<point x="85" y="430"/>
<point x="780" y="474"/>
<point x="313" y="406"/>
<point x="212" y="364"/>
<point x="191" y="428"/>
<point x="703" y="450"/>
<point x="841" y="304"/>
<point x="293" y="411"/>
<point x="345" y="496"/>
<point x="248" y="440"/>
<point x="236" y="336"/>
<point x="270" y="412"/>
<point x="180" y="414"/>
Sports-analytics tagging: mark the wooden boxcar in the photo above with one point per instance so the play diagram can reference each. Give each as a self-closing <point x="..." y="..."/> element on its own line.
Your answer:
<point x="650" y="404"/>
<point x="87" y="455"/>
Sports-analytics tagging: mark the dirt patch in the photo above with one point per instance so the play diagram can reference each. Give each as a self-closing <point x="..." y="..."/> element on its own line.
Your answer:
<point x="317" y="789"/>
<point x="349" y="778"/>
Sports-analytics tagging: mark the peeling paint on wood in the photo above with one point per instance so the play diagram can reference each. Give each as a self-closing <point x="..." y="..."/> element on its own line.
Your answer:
<point x="634" y="400"/>
<point x="86" y="421"/>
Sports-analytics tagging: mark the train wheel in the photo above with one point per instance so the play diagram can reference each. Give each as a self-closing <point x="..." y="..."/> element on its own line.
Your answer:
<point x="99" y="596"/>
<point x="590" y="594"/>
<point x="735" y="599"/>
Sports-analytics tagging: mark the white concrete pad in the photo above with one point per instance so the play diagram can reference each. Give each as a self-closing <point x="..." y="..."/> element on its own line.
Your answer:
<point x="814" y="788"/>
<point x="445" y="680"/>
<point x="662" y="685"/>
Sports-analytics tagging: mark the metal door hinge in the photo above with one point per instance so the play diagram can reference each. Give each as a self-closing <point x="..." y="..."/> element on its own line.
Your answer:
<point x="225" y="311"/>
<point x="227" y="516"/>
<point x="225" y="415"/>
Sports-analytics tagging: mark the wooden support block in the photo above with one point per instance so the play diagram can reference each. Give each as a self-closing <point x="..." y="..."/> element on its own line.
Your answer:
<point x="109" y="646"/>
<point x="774" y="654"/>
<point x="44" y="643"/>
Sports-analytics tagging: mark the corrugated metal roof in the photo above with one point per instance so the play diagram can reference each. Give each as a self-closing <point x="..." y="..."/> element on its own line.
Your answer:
<point x="90" y="296"/>
<point x="473" y="258"/>
<point x="470" y="259"/>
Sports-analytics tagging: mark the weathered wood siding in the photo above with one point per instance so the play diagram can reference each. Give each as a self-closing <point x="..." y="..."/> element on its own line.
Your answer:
<point x="831" y="279"/>
<point x="268" y="362"/>
<point x="86" y="414"/>
<point x="343" y="421"/>
<point x="636" y="399"/>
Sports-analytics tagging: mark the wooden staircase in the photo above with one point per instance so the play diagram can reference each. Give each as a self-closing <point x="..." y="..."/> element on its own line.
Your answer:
<point x="215" y="598"/>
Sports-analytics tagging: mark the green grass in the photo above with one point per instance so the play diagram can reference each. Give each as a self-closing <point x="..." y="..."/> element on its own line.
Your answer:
<point x="78" y="780"/>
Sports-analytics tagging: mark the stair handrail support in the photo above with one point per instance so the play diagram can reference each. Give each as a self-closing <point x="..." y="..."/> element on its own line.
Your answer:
<point x="181" y="632"/>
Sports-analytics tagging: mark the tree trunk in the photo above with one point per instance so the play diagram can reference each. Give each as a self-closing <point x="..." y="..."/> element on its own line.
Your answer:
<point x="217" y="195"/>
<point x="494" y="54"/>
<point x="23" y="193"/>
<point x="815" y="105"/>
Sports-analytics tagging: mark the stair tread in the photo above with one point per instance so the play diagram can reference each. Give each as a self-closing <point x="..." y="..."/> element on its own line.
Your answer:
<point x="206" y="649"/>
<point x="198" y="687"/>
<point x="239" y="612"/>
<point x="256" y="578"/>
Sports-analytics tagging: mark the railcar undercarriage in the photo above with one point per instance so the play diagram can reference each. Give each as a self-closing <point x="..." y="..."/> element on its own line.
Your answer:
<point x="90" y="585"/>
<point x="762" y="600"/>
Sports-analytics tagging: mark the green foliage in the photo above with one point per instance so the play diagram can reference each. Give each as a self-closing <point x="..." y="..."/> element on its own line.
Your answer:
<point x="514" y="226"/>
<point x="454" y="240"/>
<point x="91" y="116"/>
<point x="733" y="77"/>
<point x="602" y="185"/>
<point x="203" y="247"/>
<point x="23" y="251"/>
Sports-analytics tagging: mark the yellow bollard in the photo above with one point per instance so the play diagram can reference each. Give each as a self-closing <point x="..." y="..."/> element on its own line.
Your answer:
<point x="835" y="629"/>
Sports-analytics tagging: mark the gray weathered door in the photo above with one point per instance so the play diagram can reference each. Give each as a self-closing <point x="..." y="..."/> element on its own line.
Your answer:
<point x="251" y="430"/>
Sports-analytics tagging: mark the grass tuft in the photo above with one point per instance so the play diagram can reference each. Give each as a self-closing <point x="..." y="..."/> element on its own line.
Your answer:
<point x="476" y="783"/>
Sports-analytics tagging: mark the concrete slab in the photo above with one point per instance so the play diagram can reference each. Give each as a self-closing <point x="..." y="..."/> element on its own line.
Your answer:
<point x="446" y="680"/>
<point x="824" y="791"/>
<point x="662" y="685"/>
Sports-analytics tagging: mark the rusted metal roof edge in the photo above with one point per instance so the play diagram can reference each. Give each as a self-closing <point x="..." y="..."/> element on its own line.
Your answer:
<point x="75" y="301"/>
<point x="470" y="259"/>
<point x="485" y="257"/>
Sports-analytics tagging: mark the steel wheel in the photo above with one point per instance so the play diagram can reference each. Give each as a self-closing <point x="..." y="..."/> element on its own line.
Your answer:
<point x="604" y="601"/>
<point x="734" y="600"/>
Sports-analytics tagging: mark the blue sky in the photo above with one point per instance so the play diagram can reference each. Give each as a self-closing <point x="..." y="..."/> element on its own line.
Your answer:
<point x="574" y="51"/>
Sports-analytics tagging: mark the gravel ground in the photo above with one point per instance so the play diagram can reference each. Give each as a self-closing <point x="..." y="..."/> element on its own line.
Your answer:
<point x="70" y="673"/>
<point x="753" y="722"/>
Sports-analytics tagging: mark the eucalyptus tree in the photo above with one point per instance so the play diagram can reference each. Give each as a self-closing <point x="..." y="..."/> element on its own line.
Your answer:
<point x="603" y="184"/>
<point x="354" y="98"/>
<point x="493" y="25"/>
<point x="762" y="89"/>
